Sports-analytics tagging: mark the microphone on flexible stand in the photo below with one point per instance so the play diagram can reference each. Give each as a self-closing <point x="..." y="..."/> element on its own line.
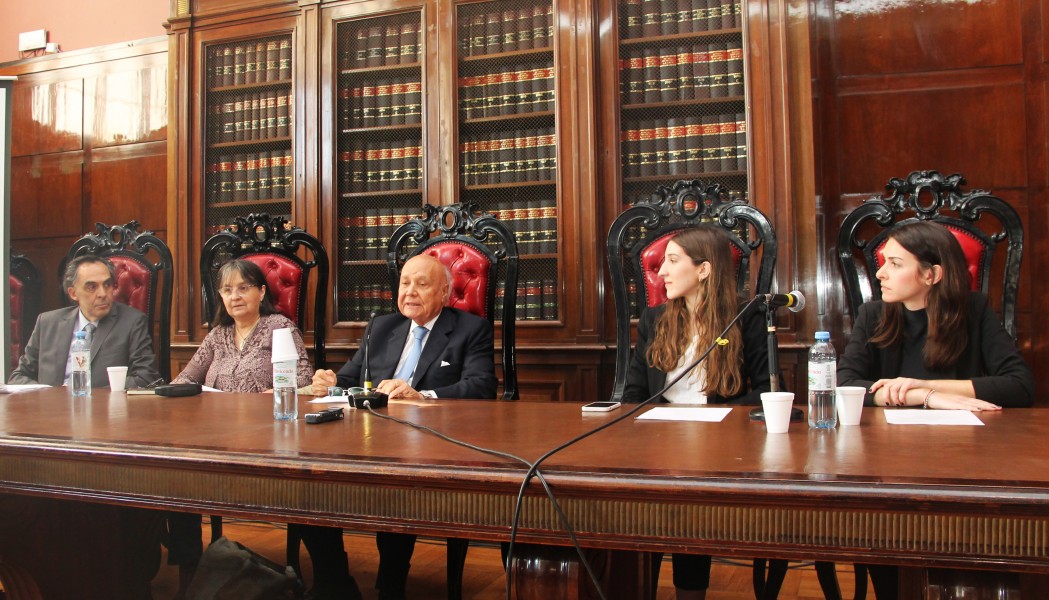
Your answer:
<point x="794" y="301"/>
<point x="375" y="399"/>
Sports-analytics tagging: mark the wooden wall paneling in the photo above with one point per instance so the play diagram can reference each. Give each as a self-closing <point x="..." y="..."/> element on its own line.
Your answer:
<point x="46" y="195"/>
<point x="47" y="255"/>
<point x="179" y="217"/>
<point x="902" y="37"/>
<point x="47" y="114"/>
<point x="129" y="105"/>
<point x="128" y="183"/>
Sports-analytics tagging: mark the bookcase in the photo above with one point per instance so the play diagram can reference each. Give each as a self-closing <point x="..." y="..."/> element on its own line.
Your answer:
<point x="681" y="98"/>
<point x="247" y="113"/>
<point x="379" y="145"/>
<point x="507" y="146"/>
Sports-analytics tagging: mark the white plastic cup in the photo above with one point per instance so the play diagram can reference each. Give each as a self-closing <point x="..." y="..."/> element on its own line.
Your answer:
<point x="117" y="378"/>
<point x="283" y="346"/>
<point x="849" y="399"/>
<point x="777" y="407"/>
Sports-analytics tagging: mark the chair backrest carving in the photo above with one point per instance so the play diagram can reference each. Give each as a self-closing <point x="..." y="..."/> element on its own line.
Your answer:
<point x="638" y="238"/>
<point x="481" y="253"/>
<point x="931" y="196"/>
<point x="272" y="243"/>
<point x="144" y="275"/>
<point x="23" y="305"/>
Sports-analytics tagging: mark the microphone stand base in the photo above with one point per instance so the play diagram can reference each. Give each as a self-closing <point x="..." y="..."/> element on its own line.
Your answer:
<point x="373" y="398"/>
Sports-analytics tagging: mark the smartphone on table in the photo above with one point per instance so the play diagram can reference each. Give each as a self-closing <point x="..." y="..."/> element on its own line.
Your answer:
<point x="601" y="406"/>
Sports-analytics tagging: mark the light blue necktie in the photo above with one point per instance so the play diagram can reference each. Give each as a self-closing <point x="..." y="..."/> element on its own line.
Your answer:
<point x="408" y="368"/>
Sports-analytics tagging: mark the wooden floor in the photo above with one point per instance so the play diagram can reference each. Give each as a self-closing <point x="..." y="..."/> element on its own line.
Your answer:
<point x="484" y="574"/>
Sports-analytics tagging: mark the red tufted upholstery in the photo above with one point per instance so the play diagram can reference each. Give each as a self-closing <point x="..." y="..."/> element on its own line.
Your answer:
<point x="975" y="252"/>
<point x="133" y="282"/>
<point x="16" y="311"/>
<point x="652" y="261"/>
<point x="284" y="281"/>
<point x="469" y="275"/>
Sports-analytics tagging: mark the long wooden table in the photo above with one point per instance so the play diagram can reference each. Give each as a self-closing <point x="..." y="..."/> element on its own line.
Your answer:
<point x="956" y="497"/>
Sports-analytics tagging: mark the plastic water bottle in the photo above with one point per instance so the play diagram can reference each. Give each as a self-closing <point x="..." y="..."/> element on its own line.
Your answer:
<point x="823" y="366"/>
<point x="80" y="379"/>
<point x="285" y="394"/>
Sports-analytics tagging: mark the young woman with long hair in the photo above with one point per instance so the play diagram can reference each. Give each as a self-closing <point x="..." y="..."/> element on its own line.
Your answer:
<point x="931" y="341"/>
<point x="698" y="271"/>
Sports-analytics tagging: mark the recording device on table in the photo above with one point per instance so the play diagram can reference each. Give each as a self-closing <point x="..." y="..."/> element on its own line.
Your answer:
<point x="794" y="301"/>
<point x="158" y="388"/>
<point x="328" y="414"/>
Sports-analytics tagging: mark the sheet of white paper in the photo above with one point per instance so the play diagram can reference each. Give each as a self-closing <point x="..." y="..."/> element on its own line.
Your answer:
<point x="205" y="388"/>
<point x="681" y="413"/>
<point x="930" y="417"/>
<point x="14" y="388"/>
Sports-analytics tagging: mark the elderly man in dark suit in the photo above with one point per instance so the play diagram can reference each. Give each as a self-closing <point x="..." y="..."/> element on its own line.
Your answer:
<point x="119" y="335"/>
<point x="426" y="350"/>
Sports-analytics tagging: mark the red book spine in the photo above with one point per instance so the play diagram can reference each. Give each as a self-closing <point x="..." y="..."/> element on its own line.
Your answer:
<point x="677" y="155"/>
<point x="727" y="127"/>
<point x="413" y="112"/>
<point x="735" y="68"/>
<point x="662" y="148"/>
<point x="701" y="70"/>
<point x="718" y="70"/>
<point x="685" y="84"/>
<point x="693" y="145"/>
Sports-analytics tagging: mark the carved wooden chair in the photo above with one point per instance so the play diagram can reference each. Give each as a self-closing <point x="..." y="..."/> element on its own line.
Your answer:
<point x="930" y="196"/>
<point x="927" y="196"/>
<point x="23" y="304"/>
<point x="639" y="236"/>
<point x="273" y="244"/>
<point x="144" y="276"/>
<point x="481" y="253"/>
<point x="636" y="243"/>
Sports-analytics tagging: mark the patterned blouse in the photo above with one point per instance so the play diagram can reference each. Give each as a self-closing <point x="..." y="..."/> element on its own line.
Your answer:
<point x="220" y="365"/>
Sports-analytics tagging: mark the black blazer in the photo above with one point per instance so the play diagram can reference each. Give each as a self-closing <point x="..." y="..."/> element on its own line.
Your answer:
<point x="642" y="380"/>
<point x="458" y="360"/>
<point x="990" y="360"/>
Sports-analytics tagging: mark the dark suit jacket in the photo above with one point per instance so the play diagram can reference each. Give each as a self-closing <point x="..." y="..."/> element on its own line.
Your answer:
<point x="121" y="339"/>
<point x="990" y="359"/>
<point x="642" y="380"/>
<point x="458" y="360"/>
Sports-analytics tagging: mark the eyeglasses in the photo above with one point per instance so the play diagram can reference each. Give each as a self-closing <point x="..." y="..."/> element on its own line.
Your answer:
<point x="241" y="289"/>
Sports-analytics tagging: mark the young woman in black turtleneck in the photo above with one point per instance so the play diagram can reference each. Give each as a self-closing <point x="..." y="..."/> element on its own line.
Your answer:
<point x="930" y="341"/>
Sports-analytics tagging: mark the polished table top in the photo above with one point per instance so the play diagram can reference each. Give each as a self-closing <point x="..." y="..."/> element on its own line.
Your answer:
<point x="948" y="494"/>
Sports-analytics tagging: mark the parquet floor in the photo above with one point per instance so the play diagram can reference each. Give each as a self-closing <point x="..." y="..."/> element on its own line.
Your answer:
<point x="484" y="574"/>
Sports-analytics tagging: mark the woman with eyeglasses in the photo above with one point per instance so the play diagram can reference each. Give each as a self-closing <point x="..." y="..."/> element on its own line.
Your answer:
<point x="698" y="273"/>
<point x="235" y="355"/>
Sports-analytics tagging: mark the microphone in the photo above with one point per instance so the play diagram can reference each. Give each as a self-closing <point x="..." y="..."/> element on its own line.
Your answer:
<point x="369" y="398"/>
<point x="366" y="379"/>
<point x="794" y="301"/>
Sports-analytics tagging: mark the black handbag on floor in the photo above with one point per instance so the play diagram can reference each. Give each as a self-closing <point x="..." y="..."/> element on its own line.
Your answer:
<point x="230" y="571"/>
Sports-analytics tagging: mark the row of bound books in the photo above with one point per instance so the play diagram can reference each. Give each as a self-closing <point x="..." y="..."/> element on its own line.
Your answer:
<point x="651" y="18"/>
<point x="250" y="116"/>
<point x="358" y="301"/>
<point x="682" y="73"/>
<point x="214" y="224"/>
<point x="534" y="223"/>
<point x="519" y="156"/>
<point x="382" y="102"/>
<point x="252" y="61"/>
<point x="373" y="166"/>
<point x="536" y="300"/>
<point x="366" y="235"/>
<point x="685" y="145"/>
<point x="526" y="89"/>
<point x="380" y="45"/>
<point x="515" y="28"/>
<point x="250" y="176"/>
